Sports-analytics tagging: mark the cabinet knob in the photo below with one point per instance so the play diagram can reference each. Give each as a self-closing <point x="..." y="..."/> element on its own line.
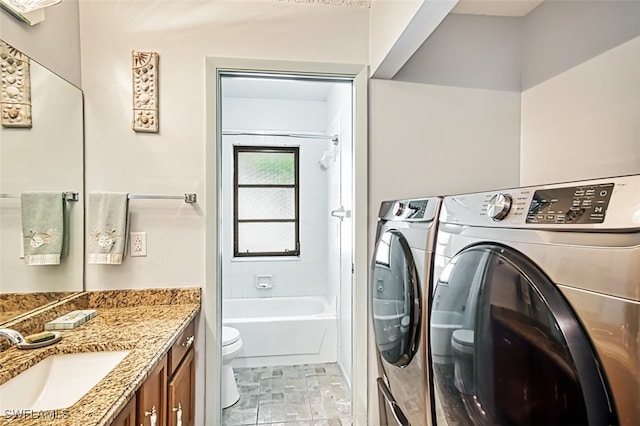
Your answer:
<point x="178" y="412"/>
<point x="188" y="342"/>
<point x="153" y="418"/>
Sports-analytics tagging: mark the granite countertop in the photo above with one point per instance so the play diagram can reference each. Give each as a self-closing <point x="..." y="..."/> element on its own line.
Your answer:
<point x="146" y="322"/>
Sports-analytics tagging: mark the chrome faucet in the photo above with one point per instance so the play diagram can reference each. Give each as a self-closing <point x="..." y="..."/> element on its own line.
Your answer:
<point x="14" y="337"/>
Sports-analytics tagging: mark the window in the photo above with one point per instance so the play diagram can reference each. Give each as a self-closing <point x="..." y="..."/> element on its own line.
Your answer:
<point x="266" y="198"/>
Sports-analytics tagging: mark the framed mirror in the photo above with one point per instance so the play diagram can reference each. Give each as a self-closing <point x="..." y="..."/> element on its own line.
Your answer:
<point x="48" y="156"/>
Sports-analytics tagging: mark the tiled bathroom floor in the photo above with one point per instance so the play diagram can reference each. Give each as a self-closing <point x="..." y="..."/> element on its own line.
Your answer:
<point x="299" y="395"/>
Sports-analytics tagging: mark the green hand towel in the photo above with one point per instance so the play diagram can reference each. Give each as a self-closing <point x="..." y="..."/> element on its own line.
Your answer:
<point x="43" y="227"/>
<point x="107" y="219"/>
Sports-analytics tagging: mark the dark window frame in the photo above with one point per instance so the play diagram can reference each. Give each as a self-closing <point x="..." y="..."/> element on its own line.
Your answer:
<point x="296" y="186"/>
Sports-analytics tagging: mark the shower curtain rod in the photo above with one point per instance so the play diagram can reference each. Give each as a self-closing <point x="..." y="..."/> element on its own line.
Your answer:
<point x="333" y="138"/>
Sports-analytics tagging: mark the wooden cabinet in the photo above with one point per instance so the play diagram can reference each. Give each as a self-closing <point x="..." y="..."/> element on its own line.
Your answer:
<point x="152" y="397"/>
<point x="181" y="398"/>
<point x="183" y="343"/>
<point x="167" y="397"/>
<point x="127" y="416"/>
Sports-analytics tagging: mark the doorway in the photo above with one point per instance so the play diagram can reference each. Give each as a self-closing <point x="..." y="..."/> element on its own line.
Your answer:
<point x="275" y="260"/>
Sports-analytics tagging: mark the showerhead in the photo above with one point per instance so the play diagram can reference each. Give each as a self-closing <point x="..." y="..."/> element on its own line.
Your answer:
<point x="328" y="158"/>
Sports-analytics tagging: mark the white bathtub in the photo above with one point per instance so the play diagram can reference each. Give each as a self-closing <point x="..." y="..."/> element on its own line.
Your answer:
<point x="283" y="330"/>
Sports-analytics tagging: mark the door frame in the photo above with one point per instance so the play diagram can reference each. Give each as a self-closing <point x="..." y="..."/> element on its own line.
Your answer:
<point x="212" y="290"/>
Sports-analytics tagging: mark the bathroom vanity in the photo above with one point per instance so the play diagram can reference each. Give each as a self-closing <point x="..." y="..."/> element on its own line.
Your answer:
<point x="156" y="327"/>
<point x="169" y="391"/>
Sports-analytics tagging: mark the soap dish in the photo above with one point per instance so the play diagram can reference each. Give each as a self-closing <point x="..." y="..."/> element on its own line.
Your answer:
<point x="37" y="345"/>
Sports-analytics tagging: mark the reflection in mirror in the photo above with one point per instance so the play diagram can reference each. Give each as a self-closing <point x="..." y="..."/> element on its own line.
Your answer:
<point x="48" y="156"/>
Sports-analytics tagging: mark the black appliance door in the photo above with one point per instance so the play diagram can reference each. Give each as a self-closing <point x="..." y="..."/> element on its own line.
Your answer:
<point x="507" y="348"/>
<point x="396" y="304"/>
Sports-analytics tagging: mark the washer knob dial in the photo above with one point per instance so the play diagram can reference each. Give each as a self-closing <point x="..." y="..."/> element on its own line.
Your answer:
<point x="499" y="206"/>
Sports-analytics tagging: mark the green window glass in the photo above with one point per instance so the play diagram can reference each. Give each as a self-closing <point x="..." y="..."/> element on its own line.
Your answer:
<point x="266" y="196"/>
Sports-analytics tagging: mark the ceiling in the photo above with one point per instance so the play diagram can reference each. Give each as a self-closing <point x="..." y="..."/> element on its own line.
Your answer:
<point x="470" y="7"/>
<point x="351" y="3"/>
<point x="496" y="7"/>
<point x="309" y="90"/>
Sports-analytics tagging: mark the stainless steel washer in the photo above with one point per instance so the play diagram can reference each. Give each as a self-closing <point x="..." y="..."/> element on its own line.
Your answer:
<point x="401" y="272"/>
<point x="536" y="305"/>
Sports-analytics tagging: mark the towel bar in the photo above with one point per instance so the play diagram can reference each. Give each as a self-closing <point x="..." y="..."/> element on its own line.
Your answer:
<point x="188" y="197"/>
<point x="67" y="195"/>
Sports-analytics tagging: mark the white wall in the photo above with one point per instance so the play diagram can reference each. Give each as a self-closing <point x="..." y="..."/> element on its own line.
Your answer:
<point x="184" y="33"/>
<point x="387" y="21"/>
<point x="475" y="51"/>
<point x="397" y="28"/>
<point x="559" y="35"/>
<point x="581" y="98"/>
<point x="172" y="161"/>
<point x="305" y="275"/>
<point x="54" y="42"/>
<point x="584" y="123"/>
<point x="434" y="140"/>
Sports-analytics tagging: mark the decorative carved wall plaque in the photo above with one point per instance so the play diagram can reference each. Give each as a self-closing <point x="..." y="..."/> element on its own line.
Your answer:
<point x="145" y="91"/>
<point x="15" y="99"/>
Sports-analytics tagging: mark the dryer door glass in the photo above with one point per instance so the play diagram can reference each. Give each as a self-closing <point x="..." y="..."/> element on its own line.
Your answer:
<point x="395" y="299"/>
<point x="508" y="349"/>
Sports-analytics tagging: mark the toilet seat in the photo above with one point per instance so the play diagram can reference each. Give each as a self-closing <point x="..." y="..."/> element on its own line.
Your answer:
<point x="229" y="335"/>
<point x="231" y="346"/>
<point x="463" y="341"/>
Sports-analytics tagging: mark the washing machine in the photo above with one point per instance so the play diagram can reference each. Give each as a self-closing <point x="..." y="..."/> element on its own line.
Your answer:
<point x="536" y="305"/>
<point x="400" y="275"/>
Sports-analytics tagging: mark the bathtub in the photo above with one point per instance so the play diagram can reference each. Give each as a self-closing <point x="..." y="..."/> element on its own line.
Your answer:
<point x="283" y="330"/>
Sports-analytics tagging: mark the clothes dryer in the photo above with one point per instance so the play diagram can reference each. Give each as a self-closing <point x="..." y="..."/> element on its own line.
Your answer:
<point x="401" y="272"/>
<point x="536" y="305"/>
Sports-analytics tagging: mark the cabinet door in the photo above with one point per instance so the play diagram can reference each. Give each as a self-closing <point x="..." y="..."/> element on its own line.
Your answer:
<point x="182" y="393"/>
<point x="152" y="397"/>
<point x="127" y="416"/>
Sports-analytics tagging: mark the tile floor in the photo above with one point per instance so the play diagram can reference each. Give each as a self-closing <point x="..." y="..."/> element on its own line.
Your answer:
<point x="299" y="395"/>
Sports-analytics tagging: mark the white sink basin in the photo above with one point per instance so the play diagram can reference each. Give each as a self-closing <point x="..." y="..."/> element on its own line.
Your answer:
<point x="57" y="381"/>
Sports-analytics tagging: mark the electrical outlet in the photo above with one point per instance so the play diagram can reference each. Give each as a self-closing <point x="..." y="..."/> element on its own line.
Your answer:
<point x="138" y="241"/>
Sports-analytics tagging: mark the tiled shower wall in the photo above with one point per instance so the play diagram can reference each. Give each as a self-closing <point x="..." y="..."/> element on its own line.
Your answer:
<point x="306" y="275"/>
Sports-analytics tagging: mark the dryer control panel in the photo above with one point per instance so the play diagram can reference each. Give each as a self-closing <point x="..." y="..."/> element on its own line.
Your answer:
<point x="570" y="205"/>
<point x="414" y="210"/>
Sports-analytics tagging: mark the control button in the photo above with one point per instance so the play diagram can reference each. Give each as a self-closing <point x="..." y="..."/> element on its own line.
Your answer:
<point x="604" y="193"/>
<point x="399" y="209"/>
<point x="550" y="217"/>
<point x="540" y="217"/>
<point x="598" y="209"/>
<point x="499" y="206"/>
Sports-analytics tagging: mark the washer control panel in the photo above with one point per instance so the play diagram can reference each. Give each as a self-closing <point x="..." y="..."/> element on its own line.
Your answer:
<point x="571" y="205"/>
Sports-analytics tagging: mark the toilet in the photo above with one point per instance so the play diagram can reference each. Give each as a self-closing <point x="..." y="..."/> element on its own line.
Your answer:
<point x="462" y="343"/>
<point x="231" y="345"/>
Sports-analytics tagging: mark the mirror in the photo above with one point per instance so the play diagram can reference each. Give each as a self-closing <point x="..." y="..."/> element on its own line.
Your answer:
<point x="46" y="157"/>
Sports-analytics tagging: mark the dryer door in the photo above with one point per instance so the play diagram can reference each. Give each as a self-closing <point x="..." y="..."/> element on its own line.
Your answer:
<point x="507" y="348"/>
<point x="396" y="303"/>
